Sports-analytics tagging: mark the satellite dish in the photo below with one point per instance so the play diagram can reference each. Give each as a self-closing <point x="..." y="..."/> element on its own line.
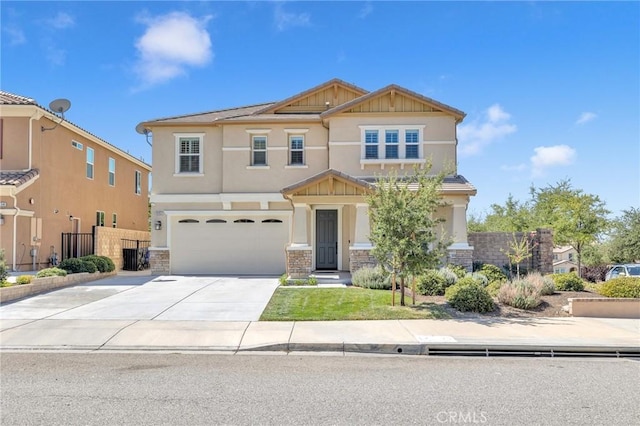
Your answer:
<point x="60" y="106"/>
<point x="141" y="129"/>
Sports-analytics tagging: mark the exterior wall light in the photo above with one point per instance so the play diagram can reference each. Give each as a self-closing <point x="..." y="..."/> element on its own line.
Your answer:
<point x="158" y="225"/>
<point x="1" y="219"/>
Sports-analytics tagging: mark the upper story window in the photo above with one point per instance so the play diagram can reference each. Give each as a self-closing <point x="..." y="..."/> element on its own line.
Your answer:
<point x="189" y="147"/>
<point x="90" y="160"/>
<point x="401" y="144"/>
<point x="76" y="145"/>
<point x="99" y="218"/>
<point x="296" y="150"/>
<point x="112" y="171"/>
<point x="114" y="220"/>
<point x="258" y="150"/>
<point x="138" y="182"/>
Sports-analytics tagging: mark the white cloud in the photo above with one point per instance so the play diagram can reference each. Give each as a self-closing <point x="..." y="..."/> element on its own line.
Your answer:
<point x="61" y="21"/>
<point x="170" y="44"/>
<point x="366" y="10"/>
<point x="585" y="117"/>
<point x="551" y="156"/>
<point x="15" y="35"/>
<point x="285" y="20"/>
<point x="478" y="134"/>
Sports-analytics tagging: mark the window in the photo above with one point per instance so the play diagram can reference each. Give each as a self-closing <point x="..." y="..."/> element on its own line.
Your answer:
<point x="112" y="171"/>
<point x="296" y="150"/>
<point x="188" y="221"/>
<point x="189" y="155"/>
<point x="90" y="163"/>
<point x="259" y="150"/>
<point x="243" y="221"/>
<point x="76" y="145"/>
<point x="114" y="220"/>
<point x="412" y="147"/>
<point x="390" y="144"/>
<point x="272" y="221"/>
<point x="138" y="182"/>
<point x="99" y="218"/>
<point x="216" y="221"/>
<point x="371" y="144"/>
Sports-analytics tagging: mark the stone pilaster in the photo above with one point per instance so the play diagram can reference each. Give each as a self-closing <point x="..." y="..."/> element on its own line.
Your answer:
<point x="359" y="258"/>
<point x="462" y="256"/>
<point x="159" y="260"/>
<point x="299" y="260"/>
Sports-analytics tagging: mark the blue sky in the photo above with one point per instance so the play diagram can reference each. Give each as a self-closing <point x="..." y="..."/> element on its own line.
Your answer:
<point x="551" y="89"/>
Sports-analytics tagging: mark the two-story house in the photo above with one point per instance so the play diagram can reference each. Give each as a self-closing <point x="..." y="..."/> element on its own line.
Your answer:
<point x="57" y="178"/>
<point x="278" y="187"/>
<point x="565" y="259"/>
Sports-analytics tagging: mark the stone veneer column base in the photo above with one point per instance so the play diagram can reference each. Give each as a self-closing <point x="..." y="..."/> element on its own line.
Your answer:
<point x="159" y="261"/>
<point x="462" y="257"/>
<point x="299" y="262"/>
<point x="359" y="258"/>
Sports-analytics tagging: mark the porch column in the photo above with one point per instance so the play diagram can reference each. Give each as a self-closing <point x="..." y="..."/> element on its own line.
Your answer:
<point x="299" y="252"/>
<point x="460" y="252"/>
<point x="300" y="233"/>
<point x="360" y="250"/>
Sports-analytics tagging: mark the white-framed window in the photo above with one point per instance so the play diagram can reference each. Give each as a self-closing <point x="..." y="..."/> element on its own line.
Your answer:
<point x="391" y="144"/>
<point x="296" y="150"/>
<point x="400" y="144"/>
<point x="412" y="143"/>
<point x="114" y="220"/>
<point x="112" y="171"/>
<point x="371" y="144"/>
<point x="76" y="145"/>
<point x="90" y="160"/>
<point x="189" y="147"/>
<point x="99" y="218"/>
<point x="138" y="182"/>
<point x="258" y="150"/>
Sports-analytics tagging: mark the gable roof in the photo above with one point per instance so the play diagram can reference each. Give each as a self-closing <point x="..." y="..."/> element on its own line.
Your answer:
<point x="394" y="88"/>
<point x="327" y="174"/>
<point x="333" y="82"/>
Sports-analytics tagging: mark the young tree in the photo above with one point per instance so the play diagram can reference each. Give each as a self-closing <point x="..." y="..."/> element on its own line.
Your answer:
<point x="519" y="251"/>
<point x="625" y="238"/>
<point x="577" y="219"/>
<point x="403" y="224"/>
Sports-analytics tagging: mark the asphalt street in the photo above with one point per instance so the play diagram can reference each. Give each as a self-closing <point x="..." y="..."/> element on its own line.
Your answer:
<point x="197" y="389"/>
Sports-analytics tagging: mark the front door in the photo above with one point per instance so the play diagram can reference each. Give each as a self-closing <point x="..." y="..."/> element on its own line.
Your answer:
<point x="326" y="239"/>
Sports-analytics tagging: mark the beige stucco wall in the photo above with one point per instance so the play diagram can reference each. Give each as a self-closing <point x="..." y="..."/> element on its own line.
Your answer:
<point x="62" y="189"/>
<point x="15" y="156"/>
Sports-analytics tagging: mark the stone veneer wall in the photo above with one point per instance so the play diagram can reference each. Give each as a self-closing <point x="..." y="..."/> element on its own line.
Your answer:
<point x="299" y="263"/>
<point x="160" y="261"/>
<point x="359" y="258"/>
<point x="490" y="247"/>
<point x="462" y="257"/>
<point x="108" y="242"/>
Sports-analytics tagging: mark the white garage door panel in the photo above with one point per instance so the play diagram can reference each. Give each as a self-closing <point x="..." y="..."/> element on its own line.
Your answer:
<point x="229" y="248"/>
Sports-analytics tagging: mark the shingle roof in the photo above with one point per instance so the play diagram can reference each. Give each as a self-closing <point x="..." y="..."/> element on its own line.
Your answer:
<point x="7" y="98"/>
<point x="322" y="175"/>
<point x="450" y="184"/>
<point x="17" y="177"/>
<point x="211" y="116"/>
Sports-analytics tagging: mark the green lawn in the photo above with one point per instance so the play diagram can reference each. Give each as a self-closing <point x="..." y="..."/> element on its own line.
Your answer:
<point x="352" y="303"/>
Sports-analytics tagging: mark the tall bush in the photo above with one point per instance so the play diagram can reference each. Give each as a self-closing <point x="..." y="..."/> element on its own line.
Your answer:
<point x="627" y="287"/>
<point x="467" y="295"/>
<point x="567" y="282"/>
<point x="431" y="283"/>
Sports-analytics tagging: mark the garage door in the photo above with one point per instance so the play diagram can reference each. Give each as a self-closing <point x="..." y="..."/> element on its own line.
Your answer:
<point x="229" y="245"/>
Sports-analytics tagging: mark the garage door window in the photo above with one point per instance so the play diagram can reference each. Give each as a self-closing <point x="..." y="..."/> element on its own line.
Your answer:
<point x="188" y="221"/>
<point x="243" y="221"/>
<point x="272" y="221"/>
<point x="216" y="221"/>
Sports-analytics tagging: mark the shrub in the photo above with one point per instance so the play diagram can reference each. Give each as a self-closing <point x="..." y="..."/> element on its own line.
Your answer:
<point x="431" y="283"/>
<point x="628" y="287"/>
<point x="24" y="279"/>
<point x="493" y="273"/>
<point x="460" y="271"/>
<point x="544" y="284"/>
<point x="594" y="274"/>
<point x="51" y="272"/>
<point x="99" y="261"/>
<point x="466" y="295"/>
<point x="520" y="293"/>
<point x="3" y="268"/>
<point x="449" y="276"/>
<point x="76" y="265"/>
<point x="567" y="282"/>
<point x="493" y="287"/>
<point x="479" y="277"/>
<point x="371" y="277"/>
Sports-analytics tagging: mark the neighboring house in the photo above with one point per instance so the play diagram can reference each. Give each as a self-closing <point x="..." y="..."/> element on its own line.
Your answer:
<point x="565" y="259"/>
<point x="56" y="178"/>
<point x="278" y="187"/>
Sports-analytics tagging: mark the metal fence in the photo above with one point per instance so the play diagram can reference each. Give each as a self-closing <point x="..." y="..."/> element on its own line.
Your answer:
<point x="135" y="254"/>
<point x="76" y="245"/>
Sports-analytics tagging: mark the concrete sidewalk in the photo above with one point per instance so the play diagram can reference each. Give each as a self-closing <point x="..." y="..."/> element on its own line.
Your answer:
<point x="552" y="336"/>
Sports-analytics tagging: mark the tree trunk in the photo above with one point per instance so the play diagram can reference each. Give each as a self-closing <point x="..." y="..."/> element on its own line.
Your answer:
<point x="393" y="289"/>
<point x="402" y="290"/>
<point x="413" y="290"/>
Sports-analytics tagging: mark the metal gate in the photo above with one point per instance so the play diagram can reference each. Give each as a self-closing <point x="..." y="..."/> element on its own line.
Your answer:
<point x="135" y="254"/>
<point x="76" y="245"/>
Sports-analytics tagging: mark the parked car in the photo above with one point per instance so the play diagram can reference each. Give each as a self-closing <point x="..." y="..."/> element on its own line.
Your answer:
<point x="628" y="270"/>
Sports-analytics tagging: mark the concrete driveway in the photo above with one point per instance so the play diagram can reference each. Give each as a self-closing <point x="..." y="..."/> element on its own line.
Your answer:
<point x="146" y="297"/>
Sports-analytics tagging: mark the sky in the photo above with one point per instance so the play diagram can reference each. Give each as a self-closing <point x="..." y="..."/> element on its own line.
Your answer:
<point x="551" y="89"/>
